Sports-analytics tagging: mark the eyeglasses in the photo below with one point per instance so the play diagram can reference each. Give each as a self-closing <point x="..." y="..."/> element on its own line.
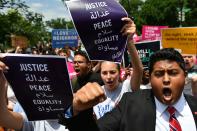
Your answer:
<point x="79" y="62"/>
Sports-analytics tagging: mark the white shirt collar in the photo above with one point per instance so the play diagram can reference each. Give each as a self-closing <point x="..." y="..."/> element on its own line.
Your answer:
<point x="179" y="106"/>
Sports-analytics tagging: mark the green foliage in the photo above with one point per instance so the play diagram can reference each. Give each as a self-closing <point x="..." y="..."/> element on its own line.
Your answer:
<point x="133" y="7"/>
<point x="59" y="23"/>
<point x="161" y="12"/>
<point x="15" y="23"/>
<point x="191" y="11"/>
<point x="70" y="24"/>
<point x="18" y="20"/>
<point x="13" y="4"/>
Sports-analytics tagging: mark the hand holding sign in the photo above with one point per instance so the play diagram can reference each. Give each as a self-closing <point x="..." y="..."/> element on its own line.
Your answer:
<point x="98" y="24"/>
<point x="3" y="83"/>
<point x="129" y="28"/>
<point x="45" y="89"/>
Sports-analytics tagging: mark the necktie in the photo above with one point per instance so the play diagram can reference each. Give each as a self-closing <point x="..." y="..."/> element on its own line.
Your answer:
<point x="173" y="122"/>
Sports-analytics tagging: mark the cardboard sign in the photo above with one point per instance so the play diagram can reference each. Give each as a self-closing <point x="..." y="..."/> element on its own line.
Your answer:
<point x="98" y="24"/>
<point x="184" y="39"/>
<point x="20" y="41"/>
<point x="63" y="37"/>
<point x="146" y="49"/>
<point x="41" y="84"/>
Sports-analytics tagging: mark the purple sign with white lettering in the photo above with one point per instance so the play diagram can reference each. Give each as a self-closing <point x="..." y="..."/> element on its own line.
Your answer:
<point x="41" y="84"/>
<point x="98" y="24"/>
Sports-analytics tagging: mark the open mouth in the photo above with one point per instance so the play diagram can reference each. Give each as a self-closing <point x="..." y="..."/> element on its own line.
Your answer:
<point x="167" y="92"/>
<point x="77" y="70"/>
<point x="109" y="83"/>
<point x="186" y="63"/>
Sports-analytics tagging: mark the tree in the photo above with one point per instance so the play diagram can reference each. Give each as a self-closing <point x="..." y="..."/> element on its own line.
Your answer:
<point x="36" y="29"/>
<point x="29" y="25"/>
<point x="160" y="12"/>
<point x="70" y="24"/>
<point x="14" y="4"/>
<point x="133" y="7"/>
<point x="59" y="23"/>
<point x="5" y="25"/>
<point x="190" y="14"/>
<point x="151" y="12"/>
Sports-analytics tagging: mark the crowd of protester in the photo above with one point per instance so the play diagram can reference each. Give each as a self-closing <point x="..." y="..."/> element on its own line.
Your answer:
<point x="102" y="85"/>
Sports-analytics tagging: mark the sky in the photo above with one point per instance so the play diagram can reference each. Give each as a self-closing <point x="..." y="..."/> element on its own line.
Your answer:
<point x="50" y="9"/>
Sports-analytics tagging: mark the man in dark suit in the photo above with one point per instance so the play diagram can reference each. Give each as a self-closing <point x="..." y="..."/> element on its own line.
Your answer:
<point x="162" y="108"/>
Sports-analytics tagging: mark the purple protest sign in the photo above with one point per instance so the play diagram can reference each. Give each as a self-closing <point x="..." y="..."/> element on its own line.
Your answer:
<point x="98" y="24"/>
<point x="41" y="84"/>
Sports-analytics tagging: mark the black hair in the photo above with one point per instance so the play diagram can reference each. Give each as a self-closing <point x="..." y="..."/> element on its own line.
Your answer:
<point x="166" y="54"/>
<point x="82" y="53"/>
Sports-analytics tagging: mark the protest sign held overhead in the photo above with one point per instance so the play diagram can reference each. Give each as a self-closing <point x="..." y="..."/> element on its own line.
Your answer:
<point x="98" y="24"/>
<point x="152" y="32"/>
<point x="20" y="41"/>
<point x="64" y="37"/>
<point x="184" y="39"/>
<point x="41" y="84"/>
<point x="146" y="49"/>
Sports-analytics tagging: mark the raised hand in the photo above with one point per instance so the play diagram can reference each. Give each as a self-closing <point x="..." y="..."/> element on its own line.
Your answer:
<point x="88" y="96"/>
<point x="129" y="28"/>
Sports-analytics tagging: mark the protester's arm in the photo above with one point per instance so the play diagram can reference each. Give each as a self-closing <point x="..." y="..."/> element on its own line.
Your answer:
<point x="92" y="93"/>
<point x="97" y="67"/>
<point x="81" y="110"/>
<point x="82" y="118"/>
<point x="136" y="65"/>
<point x="194" y="85"/>
<point x="18" y="49"/>
<point x="8" y="119"/>
<point x="129" y="29"/>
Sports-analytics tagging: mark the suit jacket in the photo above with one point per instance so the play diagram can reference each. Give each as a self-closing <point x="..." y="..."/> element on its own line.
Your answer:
<point x="135" y="112"/>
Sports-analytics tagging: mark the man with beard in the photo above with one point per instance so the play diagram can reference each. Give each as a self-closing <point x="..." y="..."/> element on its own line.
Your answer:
<point x="162" y="108"/>
<point x="191" y="79"/>
<point x="190" y="65"/>
<point x="83" y="68"/>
